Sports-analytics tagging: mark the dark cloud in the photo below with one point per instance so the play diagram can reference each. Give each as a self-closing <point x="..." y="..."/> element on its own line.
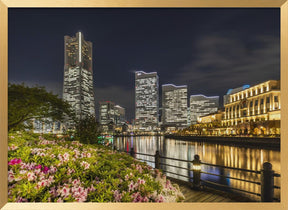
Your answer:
<point x="220" y="63"/>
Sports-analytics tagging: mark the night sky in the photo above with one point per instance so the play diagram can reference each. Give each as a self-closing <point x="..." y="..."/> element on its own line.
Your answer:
<point x="210" y="50"/>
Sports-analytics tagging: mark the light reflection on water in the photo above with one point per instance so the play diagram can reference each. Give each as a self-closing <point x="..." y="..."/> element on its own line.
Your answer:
<point x="232" y="156"/>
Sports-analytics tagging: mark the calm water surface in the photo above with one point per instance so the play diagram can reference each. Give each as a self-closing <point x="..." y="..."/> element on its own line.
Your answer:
<point x="233" y="156"/>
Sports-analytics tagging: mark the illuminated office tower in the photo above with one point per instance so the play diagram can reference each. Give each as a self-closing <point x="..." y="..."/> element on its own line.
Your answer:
<point x="146" y="100"/>
<point x="106" y="112"/>
<point x="201" y="105"/>
<point x="119" y="115"/>
<point x="78" y="75"/>
<point x="174" y="106"/>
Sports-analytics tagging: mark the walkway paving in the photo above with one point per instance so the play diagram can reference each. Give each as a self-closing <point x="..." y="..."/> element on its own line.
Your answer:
<point x="207" y="194"/>
<point x="201" y="195"/>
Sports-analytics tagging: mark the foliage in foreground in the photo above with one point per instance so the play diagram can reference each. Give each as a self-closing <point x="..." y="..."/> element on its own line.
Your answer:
<point x="87" y="130"/>
<point x="41" y="170"/>
<point x="27" y="103"/>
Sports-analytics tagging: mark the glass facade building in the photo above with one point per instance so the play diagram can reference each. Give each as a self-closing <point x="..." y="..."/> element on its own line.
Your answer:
<point x="201" y="105"/>
<point x="174" y="106"/>
<point x="78" y="75"/>
<point x="109" y="112"/>
<point x="119" y="115"/>
<point x="106" y="112"/>
<point x="146" y="101"/>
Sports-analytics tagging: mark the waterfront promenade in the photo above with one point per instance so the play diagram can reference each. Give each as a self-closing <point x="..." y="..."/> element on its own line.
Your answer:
<point x="206" y="194"/>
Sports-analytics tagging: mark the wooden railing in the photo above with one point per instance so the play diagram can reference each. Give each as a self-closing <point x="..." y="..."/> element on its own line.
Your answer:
<point x="266" y="180"/>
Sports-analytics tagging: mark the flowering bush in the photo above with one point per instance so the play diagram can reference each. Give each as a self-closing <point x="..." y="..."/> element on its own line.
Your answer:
<point x="41" y="170"/>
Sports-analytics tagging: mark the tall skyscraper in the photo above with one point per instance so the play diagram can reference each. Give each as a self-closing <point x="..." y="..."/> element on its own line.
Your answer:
<point x="174" y="106"/>
<point x="78" y="75"/>
<point x="201" y="105"/>
<point x="146" y="100"/>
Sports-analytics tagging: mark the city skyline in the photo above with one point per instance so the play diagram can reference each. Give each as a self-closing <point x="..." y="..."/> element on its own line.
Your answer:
<point x="228" y="48"/>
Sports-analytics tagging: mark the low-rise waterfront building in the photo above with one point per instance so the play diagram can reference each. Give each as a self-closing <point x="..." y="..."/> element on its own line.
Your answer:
<point x="210" y="118"/>
<point x="233" y="91"/>
<point x="255" y="110"/>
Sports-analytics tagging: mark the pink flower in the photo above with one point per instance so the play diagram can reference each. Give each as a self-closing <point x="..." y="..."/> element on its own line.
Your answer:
<point x="65" y="192"/>
<point x="53" y="169"/>
<point x="46" y="169"/>
<point x="11" y="176"/>
<point x="91" y="188"/>
<point x="85" y="164"/>
<point x="137" y="197"/>
<point x="160" y="199"/>
<point x="53" y="192"/>
<point x="14" y="161"/>
<point x="117" y="196"/>
<point x="131" y="186"/>
<point x="59" y="200"/>
<point x="140" y="181"/>
<point x="42" y="183"/>
<point x="66" y="157"/>
<point x="31" y="176"/>
<point x="20" y="200"/>
<point x="38" y="167"/>
<point x="145" y="199"/>
<point x="139" y="168"/>
<point x="60" y="157"/>
<point x="13" y="147"/>
<point x="76" y="182"/>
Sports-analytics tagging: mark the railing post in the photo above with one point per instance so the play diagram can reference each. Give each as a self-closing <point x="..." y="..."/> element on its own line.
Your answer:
<point x="196" y="168"/>
<point x="132" y="152"/>
<point x="157" y="160"/>
<point x="267" y="183"/>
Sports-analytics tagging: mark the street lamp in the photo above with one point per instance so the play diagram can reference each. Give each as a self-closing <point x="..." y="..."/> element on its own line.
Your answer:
<point x="196" y="168"/>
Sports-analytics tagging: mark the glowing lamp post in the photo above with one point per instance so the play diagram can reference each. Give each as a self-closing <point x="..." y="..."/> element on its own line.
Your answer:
<point x="196" y="168"/>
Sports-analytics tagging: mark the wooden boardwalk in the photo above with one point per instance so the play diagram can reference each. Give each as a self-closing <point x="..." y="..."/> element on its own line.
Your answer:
<point x="207" y="194"/>
<point x="202" y="195"/>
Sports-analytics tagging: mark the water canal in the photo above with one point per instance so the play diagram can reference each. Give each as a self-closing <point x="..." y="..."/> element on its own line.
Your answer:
<point x="231" y="156"/>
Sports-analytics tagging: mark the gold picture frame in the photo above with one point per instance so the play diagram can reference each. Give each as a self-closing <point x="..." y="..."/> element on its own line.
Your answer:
<point x="5" y="4"/>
